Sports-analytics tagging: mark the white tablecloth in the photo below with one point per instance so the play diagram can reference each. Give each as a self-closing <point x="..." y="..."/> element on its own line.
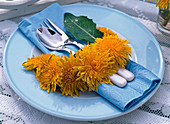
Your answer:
<point x="14" y="110"/>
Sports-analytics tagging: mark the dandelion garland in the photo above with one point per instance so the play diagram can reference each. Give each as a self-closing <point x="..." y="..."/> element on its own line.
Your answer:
<point x="91" y="67"/>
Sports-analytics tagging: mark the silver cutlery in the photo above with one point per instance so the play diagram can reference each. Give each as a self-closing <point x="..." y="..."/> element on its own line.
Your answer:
<point x="52" y="42"/>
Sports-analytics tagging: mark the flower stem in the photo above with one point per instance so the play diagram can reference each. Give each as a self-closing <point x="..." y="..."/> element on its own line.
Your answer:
<point x="166" y="20"/>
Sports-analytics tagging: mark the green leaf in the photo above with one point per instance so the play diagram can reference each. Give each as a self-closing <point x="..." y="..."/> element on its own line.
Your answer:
<point x="81" y="27"/>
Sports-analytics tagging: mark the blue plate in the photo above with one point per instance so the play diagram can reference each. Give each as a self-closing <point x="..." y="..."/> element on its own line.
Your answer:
<point x="89" y="106"/>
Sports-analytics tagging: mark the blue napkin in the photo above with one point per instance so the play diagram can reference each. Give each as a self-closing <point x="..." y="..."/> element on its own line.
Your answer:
<point x="124" y="98"/>
<point x="29" y="26"/>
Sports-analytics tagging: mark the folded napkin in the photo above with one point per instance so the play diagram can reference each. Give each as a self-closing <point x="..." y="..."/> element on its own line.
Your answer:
<point x="29" y="26"/>
<point x="124" y="98"/>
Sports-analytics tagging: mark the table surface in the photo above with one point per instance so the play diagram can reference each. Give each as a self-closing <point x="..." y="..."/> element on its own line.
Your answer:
<point x="154" y="111"/>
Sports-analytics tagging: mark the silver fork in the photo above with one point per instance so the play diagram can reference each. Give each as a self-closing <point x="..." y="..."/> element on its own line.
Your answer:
<point x="63" y="35"/>
<point x="52" y="42"/>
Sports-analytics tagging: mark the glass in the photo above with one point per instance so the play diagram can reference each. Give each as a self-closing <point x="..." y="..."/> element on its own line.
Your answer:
<point x="164" y="21"/>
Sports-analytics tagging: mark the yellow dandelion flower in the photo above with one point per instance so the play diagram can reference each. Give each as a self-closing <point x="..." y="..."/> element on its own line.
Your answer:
<point x="118" y="48"/>
<point x="50" y="73"/>
<point x="46" y="68"/>
<point x="32" y="63"/>
<point x="71" y="83"/>
<point x="36" y="63"/>
<point x="163" y="4"/>
<point x="94" y="68"/>
<point x="106" y="32"/>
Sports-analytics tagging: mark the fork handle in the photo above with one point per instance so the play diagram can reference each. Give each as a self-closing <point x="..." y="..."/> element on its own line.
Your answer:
<point x="120" y="79"/>
<point x="74" y="43"/>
